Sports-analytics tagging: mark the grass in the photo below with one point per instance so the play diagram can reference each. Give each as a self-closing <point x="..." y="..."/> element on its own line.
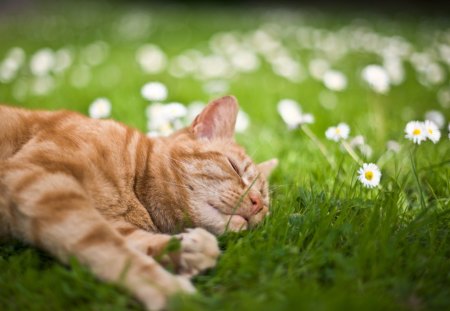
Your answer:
<point x="329" y="243"/>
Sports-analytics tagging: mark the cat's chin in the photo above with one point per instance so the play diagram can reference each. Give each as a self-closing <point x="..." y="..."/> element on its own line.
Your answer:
<point x="237" y="223"/>
<point x="233" y="223"/>
<point x="218" y="222"/>
<point x="254" y="220"/>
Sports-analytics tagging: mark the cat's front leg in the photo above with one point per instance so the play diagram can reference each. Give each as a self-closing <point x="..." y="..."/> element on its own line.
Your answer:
<point x="52" y="211"/>
<point x="188" y="253"/>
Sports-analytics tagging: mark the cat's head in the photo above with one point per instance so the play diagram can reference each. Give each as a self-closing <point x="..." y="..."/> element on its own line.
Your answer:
<point x="226" y="190"/>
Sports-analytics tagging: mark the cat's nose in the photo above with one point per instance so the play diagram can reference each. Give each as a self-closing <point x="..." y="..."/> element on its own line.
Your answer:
<point x="256" y="203"/>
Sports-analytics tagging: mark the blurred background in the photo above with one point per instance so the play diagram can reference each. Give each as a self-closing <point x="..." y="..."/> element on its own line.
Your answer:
<point x="329" y="56"/>
<point x="130" y="59"/>
<point x="68" y="54"/>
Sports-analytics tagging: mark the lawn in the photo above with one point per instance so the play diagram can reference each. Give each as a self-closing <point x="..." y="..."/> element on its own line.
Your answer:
<point x="330" y="243"/>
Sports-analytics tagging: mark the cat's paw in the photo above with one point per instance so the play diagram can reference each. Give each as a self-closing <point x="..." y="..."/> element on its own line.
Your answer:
<point x="184" y="285"/>
<point x="199" y="251"/>
<point x="155" y="298"/>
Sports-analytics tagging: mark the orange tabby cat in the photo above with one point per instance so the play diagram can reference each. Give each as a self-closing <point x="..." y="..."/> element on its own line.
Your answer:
<point x="110" y="196"/>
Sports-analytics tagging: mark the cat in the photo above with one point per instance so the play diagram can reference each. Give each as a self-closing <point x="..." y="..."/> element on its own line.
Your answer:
<point x="115" y="199"/>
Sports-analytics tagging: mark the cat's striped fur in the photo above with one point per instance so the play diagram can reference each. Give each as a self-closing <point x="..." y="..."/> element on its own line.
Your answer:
<point x="112" y="197"/>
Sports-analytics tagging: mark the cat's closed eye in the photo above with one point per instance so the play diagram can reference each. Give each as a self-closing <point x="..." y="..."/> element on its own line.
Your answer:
<point x="234" y="166"/>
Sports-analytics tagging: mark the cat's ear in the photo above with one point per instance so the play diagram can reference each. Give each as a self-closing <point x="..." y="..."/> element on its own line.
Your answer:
<point x="217" y="120"/>
<point x="267" y="167"/>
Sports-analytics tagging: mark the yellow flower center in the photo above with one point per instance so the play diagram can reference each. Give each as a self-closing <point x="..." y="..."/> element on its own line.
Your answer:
<point x="368" y="175"/>
<point x="430" y="131"/>
<point x="338" y="131"/>
<point x="417" y="132"/>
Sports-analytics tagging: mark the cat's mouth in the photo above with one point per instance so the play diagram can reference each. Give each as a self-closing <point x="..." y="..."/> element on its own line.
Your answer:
<point x="235" y="214"/>
<point x="241" y="220"/>
<point x="244" y="222"/>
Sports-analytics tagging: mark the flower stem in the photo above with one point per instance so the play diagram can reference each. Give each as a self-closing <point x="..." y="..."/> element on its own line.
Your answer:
<point x="351" y="152"/>
<point x="416" y="176"/>
<point x="321" y="147"/>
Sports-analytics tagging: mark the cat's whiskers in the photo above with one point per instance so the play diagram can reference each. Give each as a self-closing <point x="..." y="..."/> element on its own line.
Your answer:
<point x="187" y="187"/>
<point x="210" y="190"/>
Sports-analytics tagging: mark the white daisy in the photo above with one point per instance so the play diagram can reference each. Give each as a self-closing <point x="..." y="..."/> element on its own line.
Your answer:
<point x="318" y="67"/>
<point x="177" y="124"/>
<point x="338" y="133"/>
<point x="431" y="74"/>
<point x="357" y="141"/>
<point x="335" y="80"/>
<point x="193" y="110"/>
<point x="174" y="111"/>
<point x="100" y="108"/>
<point x="292" y="115"/>
<point x="213" y="67"/>
<point x="184" y="64"/>
<point x="290" y="112"/>
<point x="63" y="60"/>
<point x="154" y="91"/>
<point x="242" y="121"/>
<point x="216" y="87"/>
<point x="153" y="134"/>
<point x="42" y="85"/>
<point x="306" y="118"/>
<point x="42" y="62"/>
<point x="245" y="60"/>
<point x="8" y="71"/>
<point x="159" y="126"/>
<point x="166" y="129"/>
<point x="393" y="146"/>
<point x="151" y="58"/>
<point x="10" y="66"/>
<point x="436" y="117"/>
<point x="443" y="97"/>
<point x="431" y="131"/>
<point x="165" y="119"/>
<point x="288" y="68"/>
<point x="415" y="131"/>
<point x="394" y="68"/>
<point x="377" y="78"/>
<point x="156" y="115"/>
<point x="369" y="175"/>
<point x="17" y="55"/>
<point x="366" y="150"/>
